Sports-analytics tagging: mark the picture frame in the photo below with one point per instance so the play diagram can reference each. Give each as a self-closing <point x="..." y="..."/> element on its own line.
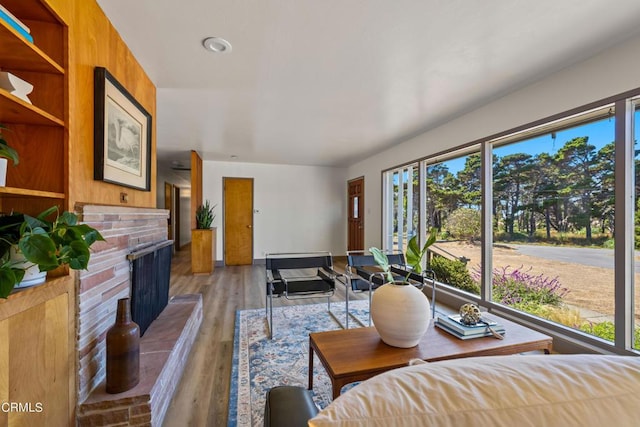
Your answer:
<point x="122" y="135"/>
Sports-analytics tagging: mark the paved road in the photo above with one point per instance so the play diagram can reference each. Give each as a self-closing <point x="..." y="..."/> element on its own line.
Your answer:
<point x="586" y="256"/>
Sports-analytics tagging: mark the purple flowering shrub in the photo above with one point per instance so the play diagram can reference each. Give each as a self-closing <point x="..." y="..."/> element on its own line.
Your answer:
<point x="519" y="287"/>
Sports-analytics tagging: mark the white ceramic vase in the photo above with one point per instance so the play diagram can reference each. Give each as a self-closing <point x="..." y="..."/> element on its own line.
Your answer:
<point x="401" y="314"/>
<point x="32" y="275"/>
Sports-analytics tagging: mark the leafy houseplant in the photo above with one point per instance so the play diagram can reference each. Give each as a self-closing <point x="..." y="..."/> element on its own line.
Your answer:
<point x="6" y="153"/>
<point x="47" y="244"/>
<point x="205" y="216"/>
<point x="5" y="150"/>
<point x="413" y="256"/>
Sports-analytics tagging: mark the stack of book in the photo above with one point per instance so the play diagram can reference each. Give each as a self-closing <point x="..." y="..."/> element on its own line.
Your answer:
<point x="453" y="325"/>
<point x="15" y="23"/>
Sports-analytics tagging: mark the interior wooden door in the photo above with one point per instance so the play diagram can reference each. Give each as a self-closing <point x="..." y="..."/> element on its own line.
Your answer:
<point x="356" y="215"/>
<point x="238" y="221"/>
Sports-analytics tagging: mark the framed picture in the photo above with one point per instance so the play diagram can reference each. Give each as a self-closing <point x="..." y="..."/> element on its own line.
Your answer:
<point x="122" y="135"/>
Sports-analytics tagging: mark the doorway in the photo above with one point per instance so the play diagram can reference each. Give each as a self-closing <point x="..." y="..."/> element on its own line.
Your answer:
<point x="355" y="190"/>
<point x="172" y="204"/>
<point x="238" y="221"/>
<point x="168" y="204"/>
<point x="176" y="217"/>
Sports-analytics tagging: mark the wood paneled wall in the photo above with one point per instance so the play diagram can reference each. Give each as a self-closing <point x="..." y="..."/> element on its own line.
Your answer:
<point x="93" y="42"/>
<point x="196" y="186"/>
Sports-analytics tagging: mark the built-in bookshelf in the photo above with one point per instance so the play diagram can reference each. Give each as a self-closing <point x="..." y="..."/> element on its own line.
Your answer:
<point x="36" y="131"/>
<point x="37" y="325"/>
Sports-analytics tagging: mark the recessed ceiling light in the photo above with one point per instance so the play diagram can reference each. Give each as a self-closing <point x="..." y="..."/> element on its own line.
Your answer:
<point x="216" y="44"/>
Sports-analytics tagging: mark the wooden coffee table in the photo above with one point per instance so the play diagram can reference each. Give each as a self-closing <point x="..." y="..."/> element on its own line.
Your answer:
<point x="350" y="355"/>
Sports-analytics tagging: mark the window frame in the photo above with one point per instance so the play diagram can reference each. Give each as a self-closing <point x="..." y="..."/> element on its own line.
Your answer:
<point x="565" y="339"/>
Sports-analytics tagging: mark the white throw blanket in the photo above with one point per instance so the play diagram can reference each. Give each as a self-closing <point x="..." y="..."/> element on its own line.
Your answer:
<point x="544" y="390"/>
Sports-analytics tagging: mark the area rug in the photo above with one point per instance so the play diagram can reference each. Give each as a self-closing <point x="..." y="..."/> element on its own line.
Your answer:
<point x="260" y="364"/>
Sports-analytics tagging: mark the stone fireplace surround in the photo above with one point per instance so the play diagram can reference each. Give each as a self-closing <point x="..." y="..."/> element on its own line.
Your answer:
<point x="107" y="280"/>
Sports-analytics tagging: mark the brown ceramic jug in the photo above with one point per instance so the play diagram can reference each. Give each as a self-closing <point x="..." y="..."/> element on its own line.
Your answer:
<point x="123" y="351"/>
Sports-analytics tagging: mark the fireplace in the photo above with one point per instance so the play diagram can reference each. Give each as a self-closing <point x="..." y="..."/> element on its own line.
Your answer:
<point x="127" y="230"/>
<point x="139" y="233"/>
<point x="150" y="275"/>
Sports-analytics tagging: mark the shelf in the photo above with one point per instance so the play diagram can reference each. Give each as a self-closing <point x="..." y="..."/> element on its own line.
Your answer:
<point x="15" y="110"/>
<point x="35" y="10"/>
<point x="31" y="193"/>
<point x="23" y="299"/>
<point x="19" y="54"/>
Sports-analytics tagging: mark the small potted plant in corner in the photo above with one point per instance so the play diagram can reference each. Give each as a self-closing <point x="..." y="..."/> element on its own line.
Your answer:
<point x="400" y="312"/>
<point x="31" y="246"/>
<point x="203" y="240"/>
<point x="6" y="153"/>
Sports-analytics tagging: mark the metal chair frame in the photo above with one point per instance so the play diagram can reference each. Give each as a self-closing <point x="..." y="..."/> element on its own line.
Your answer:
<point x="398" y="269"/>
<point x="275" y="262"/>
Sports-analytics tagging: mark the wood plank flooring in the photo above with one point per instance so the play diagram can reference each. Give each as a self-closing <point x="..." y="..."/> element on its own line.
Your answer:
<point x="202" y="396"/>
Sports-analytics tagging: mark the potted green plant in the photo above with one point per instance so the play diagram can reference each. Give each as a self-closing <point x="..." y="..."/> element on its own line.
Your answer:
<point x="6" y="153"/>
<point x="400" y="312"/>
<point x="413" y="256"/>
<point x="203" y="240"/>
<point x="35" y="243"/>
<point x="205" y="216"/>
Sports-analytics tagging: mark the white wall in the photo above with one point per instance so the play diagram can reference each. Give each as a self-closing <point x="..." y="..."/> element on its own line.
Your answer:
<point x="613" y="71"/>
<point x="185" y="216"/>
<point x="296" y="208"/>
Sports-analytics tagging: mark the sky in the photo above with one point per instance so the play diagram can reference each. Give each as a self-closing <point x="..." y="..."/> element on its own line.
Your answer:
<point x="600" y="133"/>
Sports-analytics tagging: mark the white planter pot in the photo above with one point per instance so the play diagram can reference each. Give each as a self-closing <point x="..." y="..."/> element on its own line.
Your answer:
<point x="401" y="314"/>
<point x="32" y="275"/>
<point x="3" y="171"/>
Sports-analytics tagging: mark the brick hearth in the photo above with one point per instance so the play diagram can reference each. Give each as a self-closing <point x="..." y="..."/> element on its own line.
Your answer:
<point x="164" y="351"/>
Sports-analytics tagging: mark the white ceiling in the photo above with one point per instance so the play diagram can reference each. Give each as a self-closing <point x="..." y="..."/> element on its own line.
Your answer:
<point x="328" y="82"/>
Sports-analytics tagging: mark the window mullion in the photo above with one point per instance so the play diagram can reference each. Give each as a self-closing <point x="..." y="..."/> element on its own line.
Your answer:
<point x="624" y="224"/>
<point x="486" y="221"/>
<point x="399" y="209"/>
<point x="387" y="242"/>
<point x="409" y="213"/>
<point x="422" y="213"/>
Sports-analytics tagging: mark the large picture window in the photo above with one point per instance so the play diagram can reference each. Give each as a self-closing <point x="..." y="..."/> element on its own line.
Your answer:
<point x="453" y="193"/>
<point x="553" y="223"/>
<point x="562" y="218"/>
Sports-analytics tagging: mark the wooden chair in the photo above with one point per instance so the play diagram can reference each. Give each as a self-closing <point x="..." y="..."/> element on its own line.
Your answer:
<point x="299" y="275"/>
